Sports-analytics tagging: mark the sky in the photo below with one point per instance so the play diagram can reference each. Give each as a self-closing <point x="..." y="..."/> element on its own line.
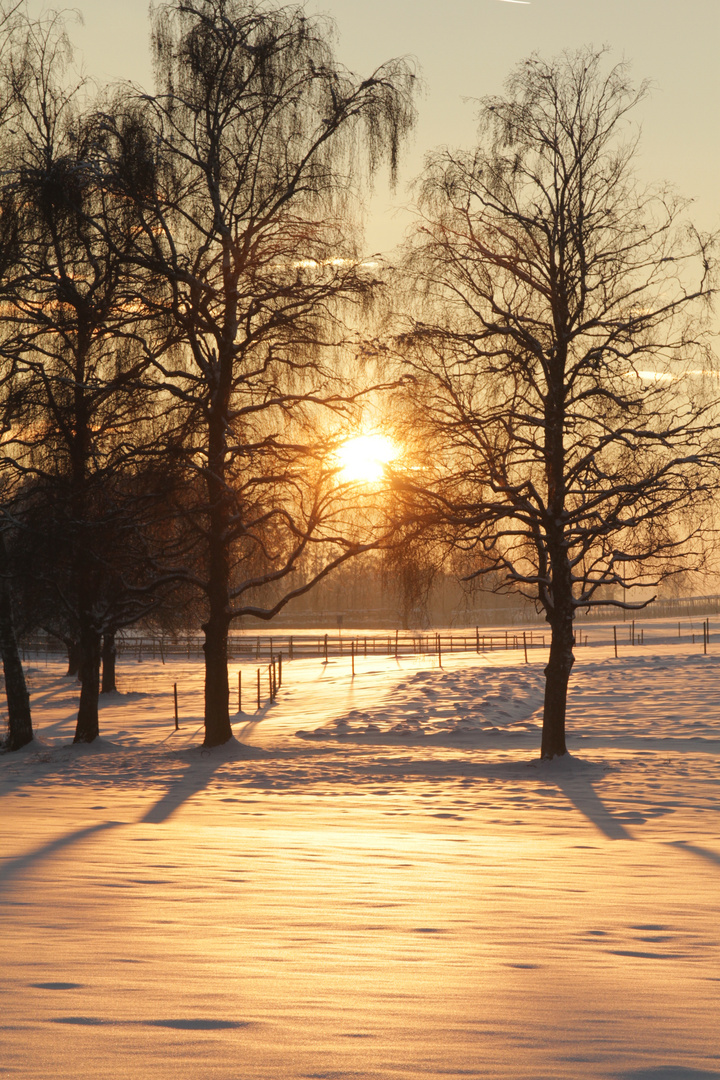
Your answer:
<point x="466" y="48"/>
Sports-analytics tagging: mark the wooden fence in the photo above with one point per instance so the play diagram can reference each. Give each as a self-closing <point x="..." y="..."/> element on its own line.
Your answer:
<point x="306" y="645"/>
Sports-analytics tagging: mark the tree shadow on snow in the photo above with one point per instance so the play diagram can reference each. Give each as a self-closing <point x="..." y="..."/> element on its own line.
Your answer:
<point x="695" y="849"/>
<point x="668" y="1072"/>
<point x="201" y="766"/>
<point x="579" y="791"/>
<point x="183" y="1024"/>
<point x="12" y="867"/>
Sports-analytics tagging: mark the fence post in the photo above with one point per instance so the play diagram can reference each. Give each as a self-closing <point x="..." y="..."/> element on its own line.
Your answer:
<point x="525" y="647"/>
<point x="239" y="691"/>
<point x="352" y="656"/>
<point x="279" y="670"/>
<point x="258" y="687"/>
<point x="326" y="648"/>
<point x="615" y="639"/>
<point x="291" y="647"/>
<point x="177" y="724"/>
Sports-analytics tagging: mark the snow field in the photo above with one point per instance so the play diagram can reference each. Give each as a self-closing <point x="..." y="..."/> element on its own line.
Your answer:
<point x="402" y="892"/>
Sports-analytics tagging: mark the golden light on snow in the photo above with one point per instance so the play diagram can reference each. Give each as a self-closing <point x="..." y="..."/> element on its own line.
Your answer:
<point x="363" y="458"/>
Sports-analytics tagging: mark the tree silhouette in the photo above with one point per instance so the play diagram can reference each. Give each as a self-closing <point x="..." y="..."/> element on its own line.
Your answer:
<point x="557" y="370"/>
<point x="75" y="335"/>
<point x="241" y="169"/>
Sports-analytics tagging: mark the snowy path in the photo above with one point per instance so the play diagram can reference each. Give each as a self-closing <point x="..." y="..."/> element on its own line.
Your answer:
<point x="425" y="902"/>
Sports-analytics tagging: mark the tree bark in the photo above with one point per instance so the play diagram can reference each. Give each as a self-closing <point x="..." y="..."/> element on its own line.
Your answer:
<point x="560" y="614"/>
<point x="88" y="725"/>
<point x="109" y="657"/>
<point x="73" y="657"/>
<point x="557" y="675"/>
<point x="20" y="731"/>
<point x="558" y="598"/>
<point x="217" y="692"/>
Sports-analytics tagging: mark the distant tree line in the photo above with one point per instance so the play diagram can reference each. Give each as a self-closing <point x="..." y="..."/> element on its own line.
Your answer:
<point x="182" y="296"/>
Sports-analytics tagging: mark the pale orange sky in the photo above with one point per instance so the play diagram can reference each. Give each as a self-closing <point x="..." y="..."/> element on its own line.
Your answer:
<point x="465" y="49"/>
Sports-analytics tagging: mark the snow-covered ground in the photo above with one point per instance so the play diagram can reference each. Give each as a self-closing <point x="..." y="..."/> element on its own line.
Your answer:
<point x="399" y="891"/>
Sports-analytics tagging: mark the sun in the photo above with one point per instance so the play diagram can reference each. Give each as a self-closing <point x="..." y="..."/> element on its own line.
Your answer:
<point x="363" y="458"/>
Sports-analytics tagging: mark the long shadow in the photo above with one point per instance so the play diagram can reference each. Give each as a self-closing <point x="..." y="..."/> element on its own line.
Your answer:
<point x="584" y="798"/>
<point x="668" y="1072"/>
<point x="196" y="778"/>
<point x="695" y="849"/>
<point x="12" y="867"/>
<point x="64" y="688"/>
<point x="65" y="724"/>
<point x="249" y="725"/>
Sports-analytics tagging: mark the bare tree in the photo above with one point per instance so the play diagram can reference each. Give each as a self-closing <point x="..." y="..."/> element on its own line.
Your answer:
<point x="242" y="168"/>
<point x="20" y="730"/>
<point x="563" y="386"/>
<point x="76" y="337"/>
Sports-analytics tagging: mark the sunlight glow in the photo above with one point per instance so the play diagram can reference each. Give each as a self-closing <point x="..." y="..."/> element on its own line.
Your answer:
<point x="667" y="377"/>
<point x="313" y="264"/>
<point x="363" y="458"/>
<point x="655" y="376"/>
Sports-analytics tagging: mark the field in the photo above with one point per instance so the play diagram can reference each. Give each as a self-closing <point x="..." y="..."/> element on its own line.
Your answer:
<point x="401" y="890"/>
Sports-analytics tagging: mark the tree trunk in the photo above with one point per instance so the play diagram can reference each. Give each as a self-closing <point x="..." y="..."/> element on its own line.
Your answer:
<point x="558" y="600"/>
<point x="109" y="657"/>
<point x="20" y="731"/>
<point x="73" y="657"/>
<point x="217" y="692"/>
<point x="88" y="726"/>
<point x="557" y="674"/>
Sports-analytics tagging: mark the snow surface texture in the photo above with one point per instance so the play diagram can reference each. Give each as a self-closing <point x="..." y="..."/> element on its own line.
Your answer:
<point x="401" y="892"/>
